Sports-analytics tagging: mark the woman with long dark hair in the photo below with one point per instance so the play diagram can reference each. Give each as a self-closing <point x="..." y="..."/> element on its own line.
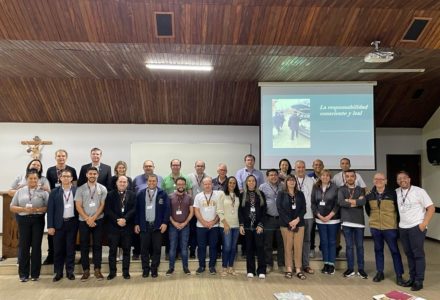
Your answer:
<point x="227" y="211"/>
<point x="291" y="206"/>
<point x="21" y="180"/>
<point x="251" y="214"/>
<point x="285" y="169"/>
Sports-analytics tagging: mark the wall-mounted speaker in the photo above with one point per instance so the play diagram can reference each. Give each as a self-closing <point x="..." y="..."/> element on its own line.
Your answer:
<point x="433" y="151"/>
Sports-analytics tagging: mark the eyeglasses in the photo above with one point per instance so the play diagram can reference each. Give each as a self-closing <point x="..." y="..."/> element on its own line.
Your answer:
<point x="66" y="176"/>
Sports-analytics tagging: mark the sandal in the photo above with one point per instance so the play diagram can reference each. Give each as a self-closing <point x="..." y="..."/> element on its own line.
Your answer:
<point x="288" y="275"/>
<point x="309" y="270"/>
<point x="301" y="275"/>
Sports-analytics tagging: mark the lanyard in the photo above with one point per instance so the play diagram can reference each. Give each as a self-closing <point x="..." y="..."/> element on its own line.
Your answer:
<point x="324" y="190"/>
<point x="232" y="196"/>
<point x="122" y="196"/>
<point x="179" y="201"/>
<point x="404" y="197"/>
<point x="66" y="199"/>
<point x="199" y="182"/>
<point x="31" y="195"/>
<point x="90" y="191"/>
<point x="275" y="191"/>
<point x="351" y="192"/>
<point x="208" y="201"/>
<point x="302" y="183"/>
<point x="150" y="197"/>
<point x="292" y="198"/>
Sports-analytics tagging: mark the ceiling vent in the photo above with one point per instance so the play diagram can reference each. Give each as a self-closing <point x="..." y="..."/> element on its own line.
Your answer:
<point x="164" y="24"/>
<point x="415" y="29"/>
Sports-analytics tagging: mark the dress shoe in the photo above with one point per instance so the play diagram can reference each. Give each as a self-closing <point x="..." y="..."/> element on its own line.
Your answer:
<point x="417" y="286"/>
<point x="154" y="273"/>
<point x="111" y="276"/>
<point x="146" y="273"/>
<point x="126" y="276"/>
<point x="408" y="283"/>
<point x="24" y="279"/>
<point x="70" y="276"/>
<point x="399" y="280"/>
<point x="379" y="277"/>
<point x="98" y="274"/>
<point x="57" y="277"/>
<point x="85" y="275"/>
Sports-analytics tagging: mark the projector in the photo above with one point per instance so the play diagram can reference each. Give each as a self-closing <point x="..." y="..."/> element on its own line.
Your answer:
<point x="379" y="57"/>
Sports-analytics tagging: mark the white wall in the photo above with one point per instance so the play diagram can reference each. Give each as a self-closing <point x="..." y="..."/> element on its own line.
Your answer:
<point x="430" y="173"/>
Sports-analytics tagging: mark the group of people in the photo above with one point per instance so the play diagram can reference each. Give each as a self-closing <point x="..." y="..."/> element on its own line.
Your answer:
<point x="196" y="211"/>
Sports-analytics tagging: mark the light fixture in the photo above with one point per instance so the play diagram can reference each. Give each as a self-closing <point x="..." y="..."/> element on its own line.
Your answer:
<point x="205" y="68"/>
<point x="391" y="70"/>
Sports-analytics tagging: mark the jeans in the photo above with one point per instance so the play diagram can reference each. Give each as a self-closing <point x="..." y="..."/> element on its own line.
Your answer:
<point x="354" y="237"/>
<point x="413" y="244"/>
<point x="327" y="238"/>
<point x="229" y="246"/>
<point x="206" y="237"/>
<point x="180" y="237"/>
<point x="390" y="237"/>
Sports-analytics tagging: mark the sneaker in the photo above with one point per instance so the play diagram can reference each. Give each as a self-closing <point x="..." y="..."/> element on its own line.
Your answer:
<point x="331" y="269"/>
<point x="35" y="278"/>
<point x="361" y="273"/>
<point x="200" y="270"/>
<point x="23" y="279"/>
<point x="212" y="271"/>
<point x="262" y="276"/>
<point x="312" y="254"/>
<point x="250" y="275"/>
<point x="324" y="270"/>
<point x="186" y="271"/>
<point x="224" y="272"/>
<point x="169" y="272"/>
<point x="349" y="273"/>
<point x="98" y="274"/>
<point x="85" y="275"/>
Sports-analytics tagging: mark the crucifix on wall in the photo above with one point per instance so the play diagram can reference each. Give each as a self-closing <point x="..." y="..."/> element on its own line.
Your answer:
<point x="35" y="146"/>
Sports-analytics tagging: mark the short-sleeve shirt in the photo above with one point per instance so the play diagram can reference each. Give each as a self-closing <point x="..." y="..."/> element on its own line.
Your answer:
<point x="180" y="205"/>
<point x="412" y="205"/>
<point x="91" y="198"/>
<point x="207" y="204"/>
<point x="25" y="197"/>
<point x="339" y="180"/>
<point x="20" y="181"/>
<point x="169" y="186"/>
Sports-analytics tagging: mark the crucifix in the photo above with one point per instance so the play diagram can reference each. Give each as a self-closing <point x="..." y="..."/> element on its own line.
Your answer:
<point x="35" y="146"/>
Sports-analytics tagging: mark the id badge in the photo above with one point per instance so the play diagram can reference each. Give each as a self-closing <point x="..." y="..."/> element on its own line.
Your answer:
<point x="92" y="204"/>
<point x="232" y="212"/>
<point x="322" y="203"/>
<point x="149" y="206"/>
<point x="29" y="205"/>
<point x="123" y="209"/>
<point x="252" y="209"/>
<point x="67" y="206"/>
<point x="294" y="206"/>
<point x="57" y="184"/>
<point x="178" y="212"/>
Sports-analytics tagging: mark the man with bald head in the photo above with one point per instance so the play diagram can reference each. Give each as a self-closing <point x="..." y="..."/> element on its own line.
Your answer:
<point x="219" y="183"/>
<point x="205" y="209"/>
<point x="381" y="207"/>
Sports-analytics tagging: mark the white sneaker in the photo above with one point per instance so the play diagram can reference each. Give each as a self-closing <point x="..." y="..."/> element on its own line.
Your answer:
<point x="312" y="254"/>
<point x="250" y="275"/>
<point x="262" y="276"/>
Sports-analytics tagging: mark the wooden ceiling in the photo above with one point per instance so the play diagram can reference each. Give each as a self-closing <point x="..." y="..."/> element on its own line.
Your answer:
<point x="83" y="61"/>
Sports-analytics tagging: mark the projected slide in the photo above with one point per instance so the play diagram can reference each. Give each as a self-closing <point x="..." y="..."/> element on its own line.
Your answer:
<point x="323" y="120"/>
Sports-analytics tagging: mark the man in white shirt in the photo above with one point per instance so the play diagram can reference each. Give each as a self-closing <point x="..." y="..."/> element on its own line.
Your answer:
<point x="339" y="178"/>
<point x="416" y="210"/>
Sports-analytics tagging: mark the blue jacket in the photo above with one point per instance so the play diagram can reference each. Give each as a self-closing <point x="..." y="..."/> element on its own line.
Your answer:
<point x="162" y="211"/>
<point x="55" y="207"/>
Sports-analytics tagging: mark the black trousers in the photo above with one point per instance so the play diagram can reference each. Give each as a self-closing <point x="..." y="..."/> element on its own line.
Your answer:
<point x="271" y="231"/>
<point x="84" y="236"/>
<point x="50" y="245"/>
<point x="64" y="246"/>
<point x="119" y="238"/>
<point x="255" y="244"/>
<point x="31" y="230"/>
<point x="151" y="238"/>
<point x="413" y="241"/>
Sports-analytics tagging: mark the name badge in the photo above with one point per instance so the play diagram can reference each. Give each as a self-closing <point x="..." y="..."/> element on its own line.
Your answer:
<point x="123" y="210"/>
<point x="294" y="206"/>
<point x="232" y="212"/>
<point x="178" y="212"/>
<point x="29" y="205"/>
<point x="92" y="204"/>
<point x="149" y="206"/>
<point x="252" y="209"/>
<point x="57" y="184"/>
<point x="67" y="206"/>
<point x="322" y="203"/>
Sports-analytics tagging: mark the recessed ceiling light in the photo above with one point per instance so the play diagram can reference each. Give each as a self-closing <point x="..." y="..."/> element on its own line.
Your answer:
<point x="391" y="70"/>
<point x="179" y="67"/>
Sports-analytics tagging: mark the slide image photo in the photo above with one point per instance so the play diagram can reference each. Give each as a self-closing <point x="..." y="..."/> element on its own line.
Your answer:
<point x="291" y="123"/>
